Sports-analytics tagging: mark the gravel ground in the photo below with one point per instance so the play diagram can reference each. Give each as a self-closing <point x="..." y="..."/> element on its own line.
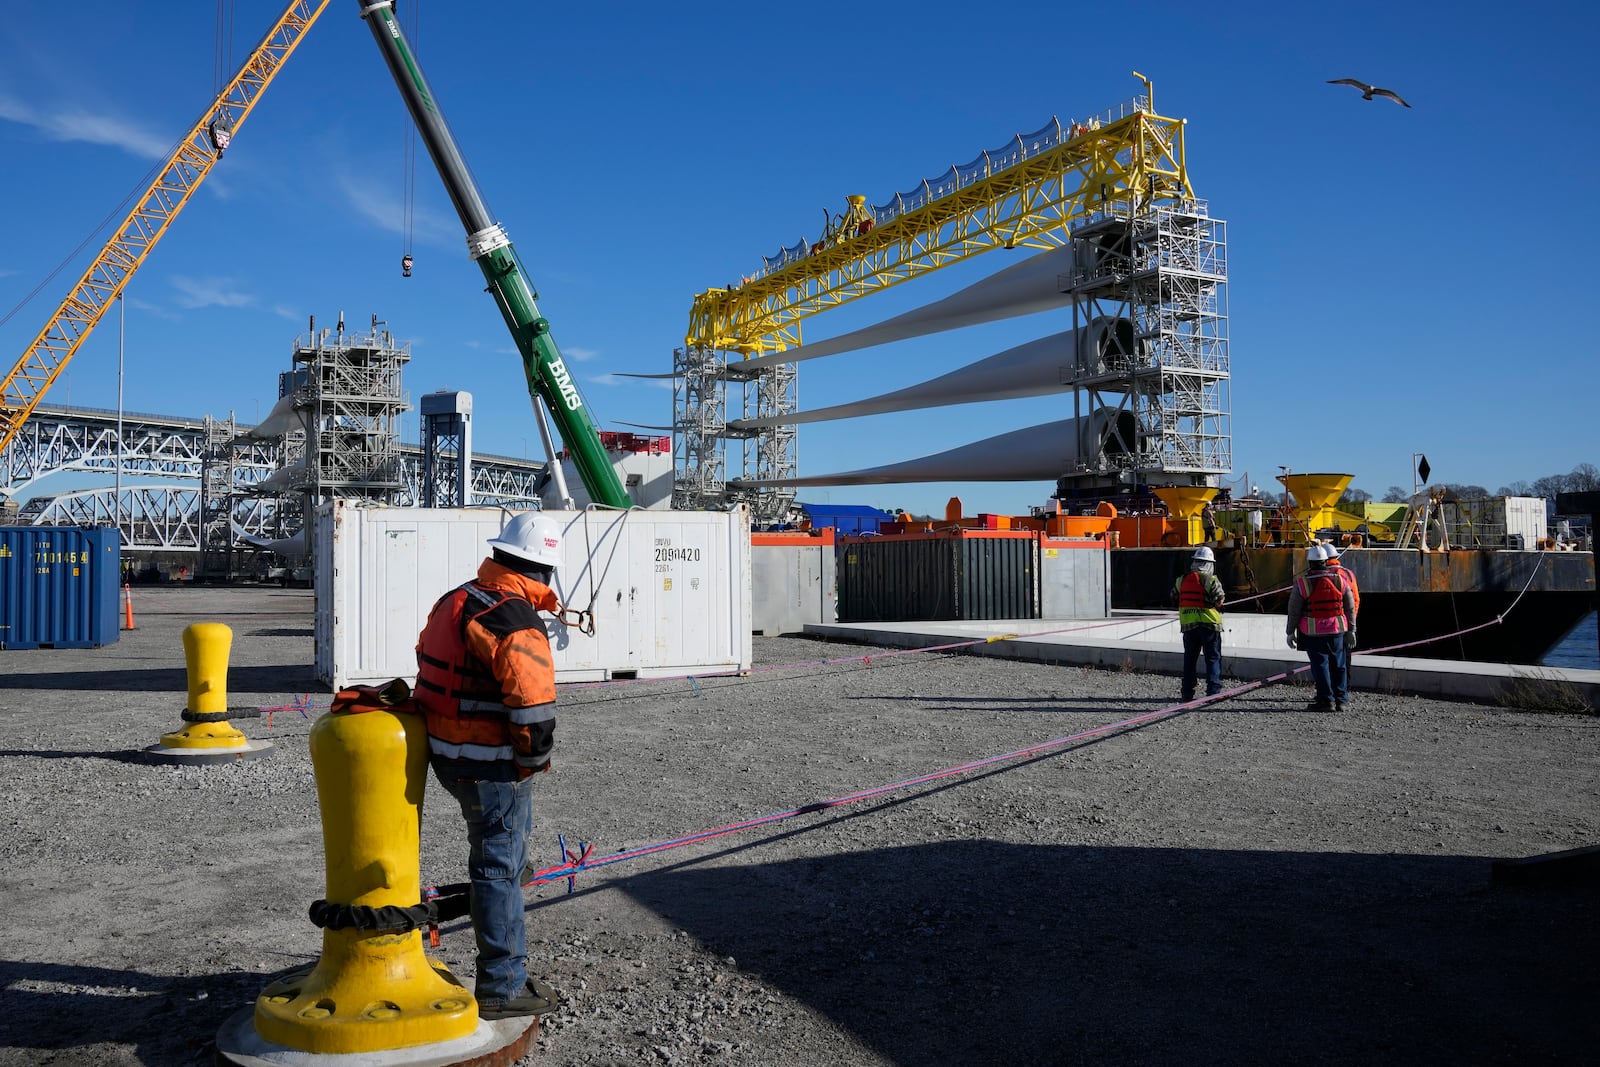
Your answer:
<point x="1244" y="883"/>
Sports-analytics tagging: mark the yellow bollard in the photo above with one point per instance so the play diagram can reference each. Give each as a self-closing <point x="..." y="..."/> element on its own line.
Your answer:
<point x="371" y="990"/>
<point x="206" y="735"/>
<point x="205" y="651"/>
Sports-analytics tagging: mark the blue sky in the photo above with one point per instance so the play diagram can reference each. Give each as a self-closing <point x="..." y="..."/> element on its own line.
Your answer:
<point x="1393" y="271"/>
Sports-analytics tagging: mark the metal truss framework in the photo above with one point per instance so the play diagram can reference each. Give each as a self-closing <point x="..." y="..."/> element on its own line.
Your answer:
<point x="195" y="154"/>
<point x="352" y="388"/>
<point x="168" y="517"/>
<point x="699" y="429"/>
<point x="446" y="450"/>
<point x="1023" y="195"/>
<point x="1165" y="268"/>
<point x="776" y="450"/>
<point x="1026" y="194"/>
<point x="216" y="491"/>
<point x="85" y="439"/>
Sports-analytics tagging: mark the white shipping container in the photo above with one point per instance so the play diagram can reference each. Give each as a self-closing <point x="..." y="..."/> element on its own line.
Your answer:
<point x="670" y="590"/>
<point x="1496" y="522"/>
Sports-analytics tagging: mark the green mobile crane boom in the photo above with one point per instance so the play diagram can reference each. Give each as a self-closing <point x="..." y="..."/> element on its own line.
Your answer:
<point x="549" y="379"/>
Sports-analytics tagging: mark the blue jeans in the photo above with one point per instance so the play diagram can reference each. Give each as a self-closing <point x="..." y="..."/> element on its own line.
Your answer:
<point x="499" y="817"/>
<point x="1327" y="666"/>
<point x="1198" y="640"/>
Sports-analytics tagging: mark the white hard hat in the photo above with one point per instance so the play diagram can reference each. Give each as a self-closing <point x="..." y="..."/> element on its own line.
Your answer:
<point x="532" y="536"/>
<point x="1203" y="554"/>
<point x="1331" y="549"/>
<point x="1316" y="554"/>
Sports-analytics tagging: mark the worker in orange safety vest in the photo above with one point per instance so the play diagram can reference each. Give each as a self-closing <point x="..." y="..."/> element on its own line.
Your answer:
<point x="486" y="683"/>
<point x="1321" y="621"/>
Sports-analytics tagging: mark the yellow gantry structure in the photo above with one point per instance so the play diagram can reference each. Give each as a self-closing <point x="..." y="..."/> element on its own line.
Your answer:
<point x="44" y="360"/>
<point x="1025" y="195"/>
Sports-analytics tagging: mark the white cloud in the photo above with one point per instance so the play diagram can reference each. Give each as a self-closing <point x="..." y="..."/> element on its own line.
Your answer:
<point x="210" y="292"/>
<point x="154" y="309"/>
<point x="378" y="204"/>
<point x="284" y="311"/>
<point x="579" y="355"/>
<point x="622" y="379"/>
<point x="75" y="124"/>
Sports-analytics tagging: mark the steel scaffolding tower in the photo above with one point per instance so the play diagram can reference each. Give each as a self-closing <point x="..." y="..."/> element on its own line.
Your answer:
<point x="1165" y="268"/>
<point x="218" y="475"/>
<point x="352" y="386"/>
<point x="699" y="429"/>
<point x="775" y="454"/>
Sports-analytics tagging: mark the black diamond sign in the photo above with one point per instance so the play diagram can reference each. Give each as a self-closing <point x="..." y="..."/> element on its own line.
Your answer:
<point x="1423" y="470"/>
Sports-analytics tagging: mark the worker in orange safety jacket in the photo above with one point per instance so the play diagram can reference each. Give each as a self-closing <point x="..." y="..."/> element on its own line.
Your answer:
<point x="486" y="683"/>
<point x="1321" y="621"/>
<point x="1337" y="564"/>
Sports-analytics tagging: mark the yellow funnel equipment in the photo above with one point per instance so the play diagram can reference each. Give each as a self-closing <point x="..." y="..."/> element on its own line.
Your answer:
<point x="1185" y="502"/>
<point x="1315" y="495"/>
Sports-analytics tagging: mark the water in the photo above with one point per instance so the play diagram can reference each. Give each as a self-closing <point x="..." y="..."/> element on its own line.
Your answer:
<point x="1581" y="649"/>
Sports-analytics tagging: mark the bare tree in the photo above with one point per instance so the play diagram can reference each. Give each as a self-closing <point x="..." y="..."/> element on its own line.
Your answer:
<point x="1466" y="492"/>
<point x="1396" y="495"/>
<point x="1585" y="478"/>
<point x="1353" y="498"/>
<point x="1516" y="489"/>
<point x="1550" y="485"/>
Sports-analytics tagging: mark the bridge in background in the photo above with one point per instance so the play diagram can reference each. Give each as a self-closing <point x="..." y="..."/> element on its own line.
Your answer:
<point x="168" y="466"/>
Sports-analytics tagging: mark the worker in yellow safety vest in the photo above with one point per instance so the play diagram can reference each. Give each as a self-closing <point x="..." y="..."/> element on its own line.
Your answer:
<point x="1200" y="596"/>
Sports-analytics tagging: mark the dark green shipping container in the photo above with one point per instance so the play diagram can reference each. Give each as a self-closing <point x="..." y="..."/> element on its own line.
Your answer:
<point x="936" y="577"/>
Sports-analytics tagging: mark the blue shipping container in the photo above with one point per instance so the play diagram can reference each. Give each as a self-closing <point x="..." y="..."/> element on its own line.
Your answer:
<point x="58" y="586"/>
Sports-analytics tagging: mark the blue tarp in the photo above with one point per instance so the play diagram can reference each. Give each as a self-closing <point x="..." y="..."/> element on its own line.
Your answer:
<point x="848" y="519"/>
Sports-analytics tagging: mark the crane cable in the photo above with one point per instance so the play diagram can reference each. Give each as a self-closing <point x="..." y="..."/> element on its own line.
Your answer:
<point x="222" y="47"/>
<point x="408" y="181"/>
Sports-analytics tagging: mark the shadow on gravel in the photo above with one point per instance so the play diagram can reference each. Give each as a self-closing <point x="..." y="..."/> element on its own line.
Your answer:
<point x="977" y="952"/>
<point x="53" y="1008"/>
<point x="1285" y="700"/>
<point x="125" y="755"/>
<point x="282" y="678"/>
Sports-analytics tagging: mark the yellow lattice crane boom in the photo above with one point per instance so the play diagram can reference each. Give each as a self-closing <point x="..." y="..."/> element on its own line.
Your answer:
<point x="1025" y="194"/>
<point x="47" y="356"/>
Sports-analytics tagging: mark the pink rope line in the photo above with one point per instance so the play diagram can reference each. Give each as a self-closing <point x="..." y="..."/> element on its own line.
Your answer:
<point x="569" y="868"/>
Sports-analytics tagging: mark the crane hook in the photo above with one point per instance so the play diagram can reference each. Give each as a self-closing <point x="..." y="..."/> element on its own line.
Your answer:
<point x="406" y="263"/>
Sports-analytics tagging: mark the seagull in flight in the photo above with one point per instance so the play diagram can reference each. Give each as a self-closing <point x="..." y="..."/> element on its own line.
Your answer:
<point x="1369" y="91"/>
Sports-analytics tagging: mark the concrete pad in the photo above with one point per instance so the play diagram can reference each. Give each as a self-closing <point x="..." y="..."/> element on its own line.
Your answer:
<point x="205" y="756"/>
<point x="1252" y="649"/>
<point x="495" y="1043"/>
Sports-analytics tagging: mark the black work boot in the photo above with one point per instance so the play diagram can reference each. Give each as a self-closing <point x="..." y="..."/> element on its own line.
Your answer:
<point x="539" y="999"/>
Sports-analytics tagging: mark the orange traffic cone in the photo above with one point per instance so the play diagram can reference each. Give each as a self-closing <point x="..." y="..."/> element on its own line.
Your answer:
<point x="127" y="606"/>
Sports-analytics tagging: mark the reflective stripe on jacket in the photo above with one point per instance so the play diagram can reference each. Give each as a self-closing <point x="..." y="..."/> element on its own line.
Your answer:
<point x="485" y="675"/>
<point x="1324" y="596"/>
